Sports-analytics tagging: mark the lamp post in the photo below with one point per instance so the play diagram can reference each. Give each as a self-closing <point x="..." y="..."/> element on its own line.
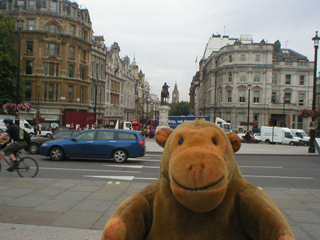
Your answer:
<point x="313" y="125"/>
<point x="248" y="118"/>
<point x="95" y="100"/>
<point x="38" y="110"/>
<point x="20" y="22"/>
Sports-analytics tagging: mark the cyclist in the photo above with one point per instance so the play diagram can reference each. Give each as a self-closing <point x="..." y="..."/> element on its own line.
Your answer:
<point x="16" y="134"/>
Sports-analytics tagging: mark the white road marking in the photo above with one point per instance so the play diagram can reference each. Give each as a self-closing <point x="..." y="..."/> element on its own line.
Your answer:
<point x="131" y="166"/>
<point x="258" y="167"/>
<point x="130" y="178"/>
<point x="87" y="170"/>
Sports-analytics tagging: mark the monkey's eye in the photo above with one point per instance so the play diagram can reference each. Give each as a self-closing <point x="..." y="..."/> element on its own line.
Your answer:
<point x="180" y="141"/>
<point x="215" y="142"/>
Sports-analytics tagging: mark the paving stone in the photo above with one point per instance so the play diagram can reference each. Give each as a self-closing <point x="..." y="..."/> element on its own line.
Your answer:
<point x="65" y="184"/>
<point x="15" y="192"/>
<point x="276" y="194"/>
<point x="84" y="188"/>
<point x="304" y="197"/>
<point x="48" y="192"/>
<point x="312" y="229"/>
<point x="56" y="206"/>
<point x="28" y="201"/>
<point x="302" y="216"/>
<point x="92" y="206"/>
<point x="8" y="214"/>
<point x="4" y="200"/>
<point x="37" y="218"/>
<point x="104" y="195"/>
<point x="77" y="219"/>
<point x="72" y="195"/>
<point x="300" y="234"/>
<point x="290" y="204"/>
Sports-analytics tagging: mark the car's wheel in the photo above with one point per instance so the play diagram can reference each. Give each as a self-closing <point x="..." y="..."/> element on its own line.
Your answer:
<point x="291" y="143"/>
<point x="48" y="135"/>
<point x="267" y="141"/>
<point x="33" y="148"/>
<point x="56" y="153"/>
<point x="120" y="156"/>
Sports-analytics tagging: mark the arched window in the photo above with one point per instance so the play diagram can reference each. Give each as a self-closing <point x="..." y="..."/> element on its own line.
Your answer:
<point x="52" y="28"/>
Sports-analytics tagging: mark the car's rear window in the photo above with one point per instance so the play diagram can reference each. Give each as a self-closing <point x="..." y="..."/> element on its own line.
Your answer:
<point x="126" y="136"/>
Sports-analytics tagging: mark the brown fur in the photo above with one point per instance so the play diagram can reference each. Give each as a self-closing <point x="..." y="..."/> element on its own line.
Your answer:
<point x="200" y="194"/>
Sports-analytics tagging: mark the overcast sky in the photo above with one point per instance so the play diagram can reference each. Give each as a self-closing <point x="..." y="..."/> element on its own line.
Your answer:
<point x="168" y="36"/>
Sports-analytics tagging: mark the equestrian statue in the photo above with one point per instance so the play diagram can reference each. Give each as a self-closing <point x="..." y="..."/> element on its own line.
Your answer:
<point x="164" y="94"/>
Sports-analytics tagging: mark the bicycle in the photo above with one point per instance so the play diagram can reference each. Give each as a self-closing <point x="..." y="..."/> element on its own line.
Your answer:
<point x="27" y="167"/>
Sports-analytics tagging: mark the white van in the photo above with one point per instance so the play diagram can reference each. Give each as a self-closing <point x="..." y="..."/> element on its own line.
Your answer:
<point x="299" y="133"/>
<point x="23" y="124"/>
<point x="280" y="135"/>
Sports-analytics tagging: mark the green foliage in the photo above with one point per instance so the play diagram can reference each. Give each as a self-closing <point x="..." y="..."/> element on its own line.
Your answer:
<point x="8" y="59"/>
<point x="179" y="109"/>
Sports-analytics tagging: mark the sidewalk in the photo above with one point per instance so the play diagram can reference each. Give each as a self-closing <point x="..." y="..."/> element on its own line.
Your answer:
<point x="45" y="209"/>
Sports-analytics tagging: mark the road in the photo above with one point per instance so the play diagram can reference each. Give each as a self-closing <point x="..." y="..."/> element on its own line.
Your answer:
<point x="263" y="171"/>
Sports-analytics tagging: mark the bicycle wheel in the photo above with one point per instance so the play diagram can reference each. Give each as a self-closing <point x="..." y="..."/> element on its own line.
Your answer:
<point x="28" y="167"/>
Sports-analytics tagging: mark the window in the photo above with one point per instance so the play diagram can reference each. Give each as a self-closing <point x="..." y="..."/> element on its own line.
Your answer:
<point x="57" y="91"/>
<point x="51" y="69"/>
<point x="73" y="12"/>
<point x="29" y="47"/>
<point x="85" y="136"/>
<point x="28" y="92"/>
<point x="52" y="49"/>
<point x="31" y="4"/>
<point x="54" y="6"/>
<point x="105" y="135"/>
<point x="83" y="55"/>
<point x="71" y="53"/>
<point x="287" y="97"/>
<point x="82" y="73"/>
<point x="256" y="96"/>
<point x="274" y="97"/>
<point x="274" y="78"/>
<point x="29" y="65"/>
<point x="53" y="28"/>
<point x="301" y="99"/>
<point x="288" y="79"/>
<point x="71" y="71"/>
<point x="229" y="95"/>
<point x="229" y="76"/>
<point x="70" y="93"/>
<point x="126" y="136"/>
<point x="257" y="76"/>
<point x="258" y="58"/>
<point x="242" y="96"/>
<point x="73" y="30"/>
<point x="85" y="35"/>
<point x="51" y="91"/>
<point x="242" y="77"/>
<point x="30" y="25"/>
<point x="230" y="58"/>
<point x="302" y="79"/>
<point x="243" y="57"/>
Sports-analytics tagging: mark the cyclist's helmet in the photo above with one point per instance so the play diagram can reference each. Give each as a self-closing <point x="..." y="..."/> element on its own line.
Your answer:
<point x="8" y="120"/>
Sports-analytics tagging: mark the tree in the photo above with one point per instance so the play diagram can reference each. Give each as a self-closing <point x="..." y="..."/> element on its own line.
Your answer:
<point x="8" y="59"/>
<point x="179" y="109"/>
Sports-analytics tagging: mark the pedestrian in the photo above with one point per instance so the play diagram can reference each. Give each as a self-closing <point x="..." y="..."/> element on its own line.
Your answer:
<point x="38" y="129"/>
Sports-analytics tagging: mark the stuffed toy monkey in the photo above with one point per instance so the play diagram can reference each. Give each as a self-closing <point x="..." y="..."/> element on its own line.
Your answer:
<point x="200" y="194"/>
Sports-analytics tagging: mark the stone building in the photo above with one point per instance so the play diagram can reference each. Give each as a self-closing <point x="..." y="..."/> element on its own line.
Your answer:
<point x="278" y="80"/>
<point x="69" y="74"/>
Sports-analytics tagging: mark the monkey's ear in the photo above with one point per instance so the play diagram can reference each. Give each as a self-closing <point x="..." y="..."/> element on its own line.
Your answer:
<point x="234" y="140"/>
<point x="162" y="136"/>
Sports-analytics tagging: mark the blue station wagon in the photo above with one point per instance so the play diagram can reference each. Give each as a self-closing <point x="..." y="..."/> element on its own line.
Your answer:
<point x="97" y="143"/>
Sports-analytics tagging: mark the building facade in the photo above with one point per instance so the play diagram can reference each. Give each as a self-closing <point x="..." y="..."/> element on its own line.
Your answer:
<point x="257" y="82"/>
<point x="69" y="74"/>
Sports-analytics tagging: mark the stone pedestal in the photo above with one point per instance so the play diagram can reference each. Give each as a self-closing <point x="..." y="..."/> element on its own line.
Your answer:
<point x="163" y="117"/>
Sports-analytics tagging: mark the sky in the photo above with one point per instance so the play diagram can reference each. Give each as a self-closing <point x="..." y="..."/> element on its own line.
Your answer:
<point x="168" y="37"/>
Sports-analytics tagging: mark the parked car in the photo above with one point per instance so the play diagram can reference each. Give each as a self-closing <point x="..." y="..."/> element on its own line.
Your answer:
<point x="36" y="142"/>
<point x="114" y="144"/>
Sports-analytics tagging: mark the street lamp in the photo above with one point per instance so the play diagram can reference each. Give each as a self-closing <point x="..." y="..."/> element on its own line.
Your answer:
<point x="20" y="22"/>
<point x="313" y="125"/>
<point x="248" y="119"/>
<point x="38" y="110"/>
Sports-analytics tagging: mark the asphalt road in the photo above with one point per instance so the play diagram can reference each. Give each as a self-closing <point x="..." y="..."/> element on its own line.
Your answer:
<point x="263" y="171"/>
